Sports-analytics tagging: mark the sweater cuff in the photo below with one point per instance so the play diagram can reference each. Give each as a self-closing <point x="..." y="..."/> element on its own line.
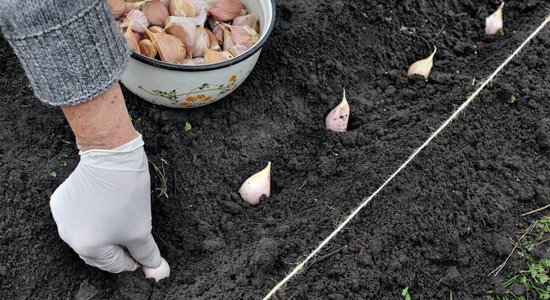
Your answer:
<point x="74" y="61"/>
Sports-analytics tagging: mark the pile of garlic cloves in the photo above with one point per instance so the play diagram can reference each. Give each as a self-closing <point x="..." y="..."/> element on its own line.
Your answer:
<point x="188" y="32"/>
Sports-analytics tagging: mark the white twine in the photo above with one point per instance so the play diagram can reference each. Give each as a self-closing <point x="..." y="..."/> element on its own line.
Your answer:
<point x="405" y="164"/>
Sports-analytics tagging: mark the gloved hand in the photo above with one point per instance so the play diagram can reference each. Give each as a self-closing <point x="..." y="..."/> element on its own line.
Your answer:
<point x="105" y="206"/>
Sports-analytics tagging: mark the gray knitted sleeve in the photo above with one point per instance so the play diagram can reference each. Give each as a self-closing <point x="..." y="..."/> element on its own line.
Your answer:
<point x="71" y="50"/>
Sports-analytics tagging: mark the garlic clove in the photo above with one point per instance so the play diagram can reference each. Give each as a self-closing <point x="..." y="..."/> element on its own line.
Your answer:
<point x="138" y="20"/>
<point x="155" y="12"/>
<point x="227" y="54"/>
<point x="238" y="49"/>
<point x="494" y="24"/>
<point x="170" y="48"/>
<point x="202" y="41"/>
<point x="214" y="45"/>
<point x="212" y="57"/>
<point x="200" y="4"/>
<point x="183" y="35"/>
<point x="244" y="35"/>
<point x="151" y="32"/>
<point x="147" y="48"/>
<point x="139" y="36"/>
<point x="251" y="20"/>
<point x="198" y="60"/>
<point x="256" y="186"/>
<point x="183" y="8"/>
<point x="165" y="2"/>
<point x="227" y="38"/>
<point x="226" y="10"/>
<point x="422" y="67"/>
<point x="201" y="17"/>
<point x="131" y="39"/>
<point x="337" y="119"/>
<point x="118" y="7"/>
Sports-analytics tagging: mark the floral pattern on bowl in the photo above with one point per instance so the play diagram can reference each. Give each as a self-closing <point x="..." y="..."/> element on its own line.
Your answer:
<point x="198" y="96"/>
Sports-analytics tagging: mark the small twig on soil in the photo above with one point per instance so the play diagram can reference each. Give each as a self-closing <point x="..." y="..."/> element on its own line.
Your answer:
<point x="516" y="245"/>
<point x="440" y="30"/>
<point x="322" y="258"/>
<point x="163" y="189"/>
<point x="536" y="210"/>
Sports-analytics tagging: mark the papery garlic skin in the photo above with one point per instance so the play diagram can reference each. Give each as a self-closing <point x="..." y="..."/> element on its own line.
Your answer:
<point x="244" y="35"/>
<point x="238" y="49"/>
<point x="337" y="120"/>
<point x="257" y="186"/>
<point x="494" y="24"/>
<point x="423" y="67"/>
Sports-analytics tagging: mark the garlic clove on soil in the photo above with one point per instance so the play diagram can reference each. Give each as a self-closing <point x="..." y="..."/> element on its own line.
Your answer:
<point x="423" y="67"/>
<point x="138" y="20"/>
<point x="226" y="10"/>
<point x="118" y="7"/>
<point x="494" y="24"/>
<point x="256" y="186"/>
<point x="201" y="42"/>
<point x="251" y="20"/>
<point x="183" y="8"/>
<point x="155" y="12"/>
<point x="337" y="119"/>
<point x="211" y="56"/>
<point x="147" y="48"/>
<point x="170" y="48"/>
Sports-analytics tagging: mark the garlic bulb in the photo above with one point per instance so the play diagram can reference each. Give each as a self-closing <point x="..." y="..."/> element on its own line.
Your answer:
<point x="227" y="10"/>
<point x="337" y="119"/>
<point x="494" y="24"/>
<point x="256" y="186"/>
<point x="422" y="67"/>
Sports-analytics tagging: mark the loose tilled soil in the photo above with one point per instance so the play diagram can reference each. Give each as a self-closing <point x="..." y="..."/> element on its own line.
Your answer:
<point x="441" y="226"/>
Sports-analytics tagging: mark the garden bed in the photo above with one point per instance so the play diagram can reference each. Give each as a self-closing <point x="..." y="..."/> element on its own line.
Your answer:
<point x="439" y="228"/>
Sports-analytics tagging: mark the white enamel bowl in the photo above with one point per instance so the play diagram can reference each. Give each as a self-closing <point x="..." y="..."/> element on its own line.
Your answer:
<point x="181" y="86"/>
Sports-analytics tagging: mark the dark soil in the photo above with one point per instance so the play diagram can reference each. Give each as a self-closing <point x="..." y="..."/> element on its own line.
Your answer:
<point x="440" y="227"/>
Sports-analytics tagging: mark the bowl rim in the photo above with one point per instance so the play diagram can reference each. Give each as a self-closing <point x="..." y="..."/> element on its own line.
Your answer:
<point x="198" y="68"/>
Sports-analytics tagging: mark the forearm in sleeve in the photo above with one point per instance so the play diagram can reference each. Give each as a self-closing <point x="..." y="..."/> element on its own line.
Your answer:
<point x="71" y="50"/>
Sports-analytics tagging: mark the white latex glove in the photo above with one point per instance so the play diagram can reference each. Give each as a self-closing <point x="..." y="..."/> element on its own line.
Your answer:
<point x="105" y="205"/>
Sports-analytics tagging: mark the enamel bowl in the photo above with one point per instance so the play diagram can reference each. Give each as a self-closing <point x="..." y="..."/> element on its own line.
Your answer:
<point x="181" y="86"/>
